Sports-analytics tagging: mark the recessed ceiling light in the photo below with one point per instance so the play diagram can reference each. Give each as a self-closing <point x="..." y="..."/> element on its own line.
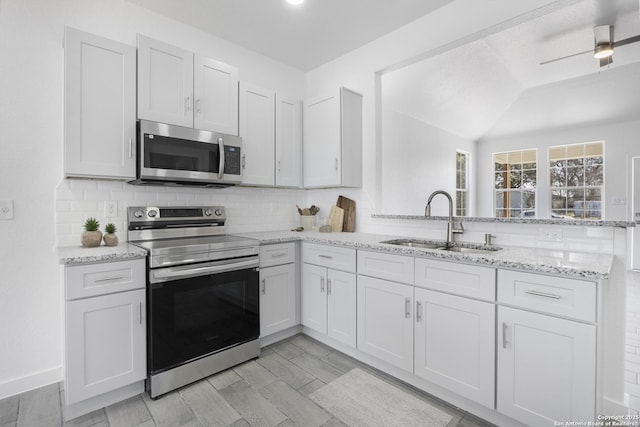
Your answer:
<point x="295" y="2"/>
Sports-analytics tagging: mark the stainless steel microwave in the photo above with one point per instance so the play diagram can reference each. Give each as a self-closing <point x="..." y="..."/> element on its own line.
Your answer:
<point x="176" y="155"/>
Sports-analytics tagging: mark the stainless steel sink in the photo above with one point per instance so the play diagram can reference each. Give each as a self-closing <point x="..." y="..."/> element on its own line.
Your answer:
<point x="414" y="243"/>
<point x="464" y="248"/>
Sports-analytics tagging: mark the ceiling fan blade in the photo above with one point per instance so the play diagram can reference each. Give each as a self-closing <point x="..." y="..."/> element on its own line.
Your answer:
<point x="626" y="41"/>
<point x="606" y="61"/>
<point x="565" y="57"/>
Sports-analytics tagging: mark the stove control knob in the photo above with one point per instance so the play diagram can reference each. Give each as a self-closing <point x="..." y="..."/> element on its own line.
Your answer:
<point x="138" y="213"/>
<point x="152" y="213"/>
<point x="218" y="212"/>
<point x="208" y="212"/>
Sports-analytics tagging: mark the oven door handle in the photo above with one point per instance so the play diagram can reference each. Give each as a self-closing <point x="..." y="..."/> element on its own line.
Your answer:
<point x="165" y="274"/>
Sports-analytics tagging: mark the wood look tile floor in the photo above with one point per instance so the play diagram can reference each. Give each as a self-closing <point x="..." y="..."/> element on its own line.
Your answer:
<point x="269" y="391"/>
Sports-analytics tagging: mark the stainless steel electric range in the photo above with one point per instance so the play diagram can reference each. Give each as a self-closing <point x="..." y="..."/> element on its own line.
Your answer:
<point x="202" y="294"/>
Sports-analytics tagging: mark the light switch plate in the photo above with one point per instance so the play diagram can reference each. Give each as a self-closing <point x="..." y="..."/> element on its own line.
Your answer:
<point x="6" y="209"/>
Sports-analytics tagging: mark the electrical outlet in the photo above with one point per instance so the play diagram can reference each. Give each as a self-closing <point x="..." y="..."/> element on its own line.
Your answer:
<point x="550" y="235"/>
<point x="6" y="209"/>
<point x="110" y="209"/>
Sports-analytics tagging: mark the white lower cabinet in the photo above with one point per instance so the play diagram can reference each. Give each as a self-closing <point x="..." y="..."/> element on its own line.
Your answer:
<point x="329" y="302"/>
<point x="546" y="368"/>
<point x="105" y="334"/>
<point x="278" y="290"/>
<point x="277" y="298"/>
<point x="385" y="321"/>
<point x="455" y="344"/>
<point x="105" y="344"/>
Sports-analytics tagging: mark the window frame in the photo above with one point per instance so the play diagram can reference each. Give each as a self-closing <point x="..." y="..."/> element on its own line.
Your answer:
<point x="566" y="188"/>
<point x="465" y="190"/>
<point x="520" y="190"/>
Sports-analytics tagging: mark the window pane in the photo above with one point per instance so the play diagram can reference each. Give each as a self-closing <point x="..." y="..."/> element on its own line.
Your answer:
<point x="557" y="153"/>
<point x="514" y="157"/>
<point x="499" y="179"/>
<point x="593" y="175"/>
<point x="529" y="179"/>
<point x="514" y="199"/>
<point x="558" y="199"/>
<point x="501" y="213"/>
<point x="515" y="180"/>
<point x="575" y="177"/>
<point x="501" y="197"/>
<point x="528" y="199"/>
<point x="575" y="202"/>
<point x="557" y="175"/>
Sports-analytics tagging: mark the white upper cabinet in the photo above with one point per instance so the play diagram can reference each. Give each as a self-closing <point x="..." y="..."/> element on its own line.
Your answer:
<point x="178" y="87"/>
<point x="100" y="105"/>
<point x="288" y="142"/>
<point x="333" y="140"/>
<point x="257" y="112"/>
<point x="215" y="88"/>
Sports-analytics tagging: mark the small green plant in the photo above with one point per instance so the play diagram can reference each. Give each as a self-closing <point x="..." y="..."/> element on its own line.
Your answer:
<point x="110" y="228"/>
<point x="91" y="224"/>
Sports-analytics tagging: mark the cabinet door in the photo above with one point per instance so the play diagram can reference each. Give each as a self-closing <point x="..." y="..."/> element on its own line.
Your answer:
<point x="546" y="368"/>
<point x="455" y="344"/>
<point x="277" y="298"/>
<point x="385" y="321"/>
<point x="322" y="163"/>
<point x="100" y="107"/>
<point x="342" y="306"/>
<point x="105" y="344"/>
<point x="288" y="142"/>
<point x="165" y="83"/>
<point x="314" y="297"/>
<point x="216" y="96"/>
<point x="257" y="120"/>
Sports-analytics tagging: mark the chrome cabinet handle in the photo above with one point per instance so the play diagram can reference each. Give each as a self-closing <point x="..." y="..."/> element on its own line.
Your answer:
<point x="106" y="279"/>
<point x="244" y="161"/>
<point x="280" y="255"/>
<point x="407" y="307"/>
<point x="141" y="313"/>
<point x="542" y="294"/>
<point x="198" y="106"/>
<point x="321" y="284"/>
<point x="278" y="165"/>
<point x="504" y="335"/>
<point x="418" y="311"/>
<point x="336" y="163"/>
<point x="130" y="148"/>
<point x="325" y="256"/>
<point x="328" y="286"/>
<point x="264" y="286"/>
<point x="187" y="104"/>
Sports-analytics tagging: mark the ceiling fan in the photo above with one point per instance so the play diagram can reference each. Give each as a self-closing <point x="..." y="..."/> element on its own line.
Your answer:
<point x="603" y="46"/>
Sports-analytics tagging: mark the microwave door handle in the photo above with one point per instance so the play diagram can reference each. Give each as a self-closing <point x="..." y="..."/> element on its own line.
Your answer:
<point x="221" y="148"/>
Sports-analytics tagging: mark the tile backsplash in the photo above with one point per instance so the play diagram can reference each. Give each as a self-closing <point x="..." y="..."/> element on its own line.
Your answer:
<point x="248" y="209"/>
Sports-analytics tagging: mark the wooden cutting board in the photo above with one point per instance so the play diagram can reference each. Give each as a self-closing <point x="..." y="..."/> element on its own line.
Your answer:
<point x="349" y="206"/>
<point x="336" y="218"/>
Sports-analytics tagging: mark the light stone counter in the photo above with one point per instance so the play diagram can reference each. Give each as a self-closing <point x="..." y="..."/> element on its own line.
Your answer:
<point x="556" y="262"/>
<point x="69" y="255"/>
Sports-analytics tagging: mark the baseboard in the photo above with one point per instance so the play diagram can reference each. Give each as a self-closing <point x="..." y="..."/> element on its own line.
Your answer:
<point x="101" y="401"/>
<point x="279" y="336"/>
<point x="30" y="382"/>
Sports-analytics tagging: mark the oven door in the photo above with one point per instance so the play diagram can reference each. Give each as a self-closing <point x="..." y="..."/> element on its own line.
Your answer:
<point x="192" y="317"/>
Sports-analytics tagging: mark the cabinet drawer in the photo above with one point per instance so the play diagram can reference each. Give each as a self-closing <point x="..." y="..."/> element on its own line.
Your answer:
<point x="466" y="280"/>
<point x="554" y="295"/>
<point x="330" y="256"/>
<point x="282" y="253"/>
<point x="89" y="280"/>
<point x="398" y="268"/>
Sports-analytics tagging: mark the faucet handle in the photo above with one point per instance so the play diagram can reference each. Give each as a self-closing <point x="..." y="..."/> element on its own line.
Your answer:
<point x="458" y="230"/>
<point x="488" y="239"/>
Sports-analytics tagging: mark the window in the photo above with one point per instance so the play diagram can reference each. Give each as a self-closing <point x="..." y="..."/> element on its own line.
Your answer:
<point x="576" y="178"/>
<point x="515" y="184"/>
<point x="462" y="183"/>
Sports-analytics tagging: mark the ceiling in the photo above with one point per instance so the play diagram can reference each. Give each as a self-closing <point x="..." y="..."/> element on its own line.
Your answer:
<point x="496" y="85"/>
<point x="304" y="36"/>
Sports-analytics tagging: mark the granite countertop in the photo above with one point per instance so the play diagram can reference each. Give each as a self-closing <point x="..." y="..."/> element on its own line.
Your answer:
<point x="70" y="255"/>
<point x="554" y="221"/>
<point x="574" y="264"/>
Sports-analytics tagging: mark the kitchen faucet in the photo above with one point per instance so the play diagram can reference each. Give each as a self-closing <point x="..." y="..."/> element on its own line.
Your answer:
<point x="450" y="225"/>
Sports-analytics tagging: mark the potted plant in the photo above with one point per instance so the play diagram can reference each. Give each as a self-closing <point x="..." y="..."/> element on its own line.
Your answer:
<point x="92" y="236"/>
<point x="110" y="238"/>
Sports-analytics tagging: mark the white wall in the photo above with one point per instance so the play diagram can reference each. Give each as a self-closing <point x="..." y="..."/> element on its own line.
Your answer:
<point x="621" y="144"/>
<point x="417" y="159"/>
<point x="31" y="136"/>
